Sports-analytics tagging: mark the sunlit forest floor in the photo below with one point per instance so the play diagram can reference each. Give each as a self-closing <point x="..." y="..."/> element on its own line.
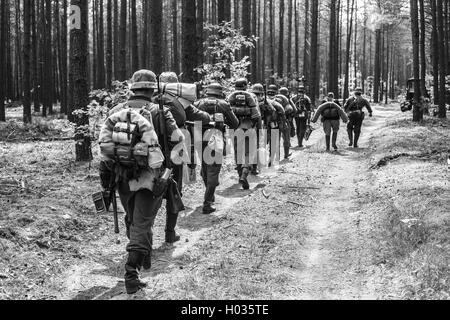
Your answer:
<point x="368" y="223"/>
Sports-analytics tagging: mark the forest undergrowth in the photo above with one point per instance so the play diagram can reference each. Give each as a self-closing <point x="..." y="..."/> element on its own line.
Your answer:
<point x="411" y="194"/>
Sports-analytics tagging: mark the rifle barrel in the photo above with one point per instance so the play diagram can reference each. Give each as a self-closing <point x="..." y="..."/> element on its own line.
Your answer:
<point x="116" y="218"/>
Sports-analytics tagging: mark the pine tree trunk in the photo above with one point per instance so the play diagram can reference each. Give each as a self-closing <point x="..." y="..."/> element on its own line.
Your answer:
<point x="144" y="35"/>
<point x="338" y="53"/>
<point x="109" y="45"/>
<point x="134" y="38"/>
<point x="254" y="57"/>
<point x="271" y="31"/>
<point x="79" y="79"/>
<point x="36" y="104"/>
<point x="387" y="66"/>
<point x="189" y="41"/>
<point x="63" y="58"/>
<point x="289" y="41"/>
<point x="199" y="32"/>
<point x="223" y="10"/>
<point x="101" y="47"/>
<point x="297" y="39"/>
<point x="264" y="43"/>
<point x="27" y="60"/>
<point x="376" y="83"/>
<point x="332" y="76"/>
<point x="307" y="44"/>
<point x="236" y="14"/>
<point x="18" y="54"/>
<point x="123" y="42"/>
<point x="423" y="59"/>
<point x="417" y="114"/>
<point x="4" y="7"/>
<point x="363" y="62"/>
<point x="116" y="41"/>
<point x="442" y="58"/>
<point x="176" y="58"/>
<point x="314" y="50"/>
<point x="347" y="53"/>
<point x="383" y="65"/>
<point x="355" y="52"/>
<point x="156" y="60"/>
<point x="94" y="65"/>
<point x="57" y="53"/>
<point x="447" y="35"/>
<point x="246" y="27"/>
<point x="48" y="65"/>
<point x="434" y="51"/>
<point x="281" y="41"/>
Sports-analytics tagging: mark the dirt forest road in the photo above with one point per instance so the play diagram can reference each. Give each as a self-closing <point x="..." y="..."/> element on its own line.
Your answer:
<point x="319" y="193"/>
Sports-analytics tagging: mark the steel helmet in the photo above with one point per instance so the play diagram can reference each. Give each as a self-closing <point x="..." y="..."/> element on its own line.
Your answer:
<point x="284" y="91"/>
<point x="273" y="89"/>
<point x="214" y="89"/>
<point x="241" y="84"/>
<point x="358" y="90"/>
<point x="168" y="77"/>
<point x="258" y="88"/>
<point x="143" y="79"/>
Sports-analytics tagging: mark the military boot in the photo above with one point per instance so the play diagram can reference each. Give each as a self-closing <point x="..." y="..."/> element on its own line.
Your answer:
<point x="300" y="139"/>
<point x="209" y="200"/>
<point x="208" y="208"/>
<point x="243" y="179"/>
<point x="132" y="282"/>
<point x="147" y="262"/>
<point x="355" y="144"/>
<point x="287" y="154"/>
<point x="171" y="222"/>
<point x="350" y="137"/>
<point x="333" y="140"/>
<point x="327" y="142"/>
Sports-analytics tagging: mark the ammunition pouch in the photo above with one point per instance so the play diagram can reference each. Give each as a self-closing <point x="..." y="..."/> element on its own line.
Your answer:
<point x="356" y="115"/>
<point x="174" y="201"/>
<point x="273" y="125"/>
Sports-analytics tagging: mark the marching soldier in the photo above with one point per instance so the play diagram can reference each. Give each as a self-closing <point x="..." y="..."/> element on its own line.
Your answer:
<point x="285" y="92"/>
<point x="354" y="109"/>
<point x="221" y="114"/>
<point x="273" y="115"/>
<point x="285" y="131"/>
<point x="138" y="194"/>
<point x="181" y="115"/>
<point x="246" y="110"/>
<point x="303" y="105"/>
<point x="331" y="114"/>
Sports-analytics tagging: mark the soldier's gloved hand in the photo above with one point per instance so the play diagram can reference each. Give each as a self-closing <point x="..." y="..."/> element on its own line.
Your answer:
<point x="370" y="115"/>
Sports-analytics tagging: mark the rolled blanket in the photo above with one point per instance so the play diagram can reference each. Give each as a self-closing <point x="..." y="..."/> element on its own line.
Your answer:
<point x="185" y="93"/>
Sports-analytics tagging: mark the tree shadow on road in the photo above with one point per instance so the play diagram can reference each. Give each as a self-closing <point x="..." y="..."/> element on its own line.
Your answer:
<point x="196" y="220"/>
<point x="236" y="191"/>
